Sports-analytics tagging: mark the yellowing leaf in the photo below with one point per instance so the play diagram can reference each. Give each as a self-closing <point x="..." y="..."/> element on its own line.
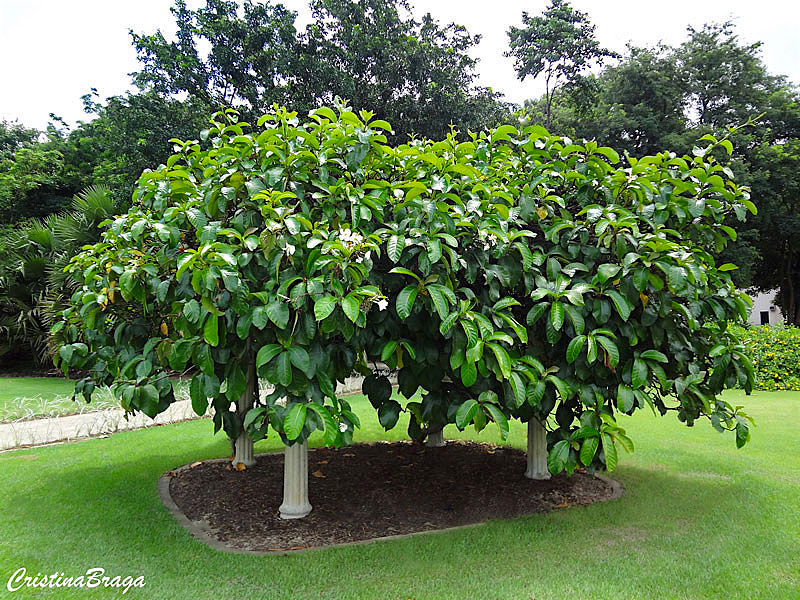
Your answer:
<point x="542" y="212"/>
<point x="240" y="466"/>
<point x="644" y="298"/>
<point x="318" y="474"/>
<point x="164" y="329"/>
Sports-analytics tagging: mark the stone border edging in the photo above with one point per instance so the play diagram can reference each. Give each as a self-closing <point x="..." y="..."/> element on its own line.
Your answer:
<point x="201" y="532"/>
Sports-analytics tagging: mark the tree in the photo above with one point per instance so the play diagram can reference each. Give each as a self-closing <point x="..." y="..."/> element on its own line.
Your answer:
<point x="418" y="74"/>
<point x="251" y="62"/>
<point x="560" y="43"/>
<point x="33" y="286"/>
<point x="726" y="81"/>
<point x="484" y="272"/>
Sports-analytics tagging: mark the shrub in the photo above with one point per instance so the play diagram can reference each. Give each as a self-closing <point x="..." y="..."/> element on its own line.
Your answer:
<point x="775" y="353"/>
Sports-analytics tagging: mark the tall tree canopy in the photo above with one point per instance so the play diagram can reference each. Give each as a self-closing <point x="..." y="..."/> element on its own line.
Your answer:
<point x="417" y="74"/>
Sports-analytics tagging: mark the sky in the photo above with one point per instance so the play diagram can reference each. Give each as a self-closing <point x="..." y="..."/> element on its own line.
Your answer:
<point x="53" y="51"/>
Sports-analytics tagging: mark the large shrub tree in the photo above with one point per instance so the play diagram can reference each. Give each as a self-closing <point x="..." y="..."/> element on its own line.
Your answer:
<point x="513" y="275"/>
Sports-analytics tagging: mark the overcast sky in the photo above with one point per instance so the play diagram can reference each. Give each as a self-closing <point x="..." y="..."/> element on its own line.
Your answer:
<point x="53" y="51"/>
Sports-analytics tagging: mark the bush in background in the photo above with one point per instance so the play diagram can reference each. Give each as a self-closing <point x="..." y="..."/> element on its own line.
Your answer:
<point x="775" y="352"/>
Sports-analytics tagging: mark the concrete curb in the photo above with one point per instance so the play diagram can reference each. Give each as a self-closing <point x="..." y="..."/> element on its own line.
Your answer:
<point x="202" y="532"/>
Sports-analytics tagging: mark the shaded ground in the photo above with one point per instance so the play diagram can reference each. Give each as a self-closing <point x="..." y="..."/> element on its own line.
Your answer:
<point x="367" y="491"/>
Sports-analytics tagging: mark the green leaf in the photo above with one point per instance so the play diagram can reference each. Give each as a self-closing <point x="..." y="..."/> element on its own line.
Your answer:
<point x="610" y="451"/>
<point x="197" y="395"/>
<point x="351" y="307"/>
<point x="191" y="310"/>
<point x="558" y="456"/>
<point x="331" y="429"/>
<point x="518" y="386"/>
<point x="640" y="373"/>
<point x="503" y="359"/>
<point x="535" y="313"/>
<point x="284" y="369"/>
<point x="535" y="393"/>
<point x="625" y="398"/>
<point x="624" y="307"/>
<point x="448" y="322"/>
<point x="660" y="356"/>
<point x="574" y="348"/>
<point x="577" y="319"/>
<point x="388" y="414"/>
<point x="267" y="353"/>
<point x="589" y="449"/>
<point x="324" y="307"/>
<point x="611" y="348"/>
<point x="439" y="300"/>
<point x="434" y="250"/>
<point x="299" y="358"/>
<point x="278" y="313"/>
<point x="498" y="417"/>
<point x="211" y="330"/>
<point x="469" y="373"/>
<point x="395" y="246"/>
<point x="388" y="350"/>
<point x="405" y="301"/>
<point x="237" y="383"/>
<point x="557" y="315"/>
<point x="466" y="412"/>
<point x="404" y="271"/>
<point x="605" y="272"/>
<point x="294" y="421"/>
<point x="260" y="318"/>
<point x="149" y="400"/>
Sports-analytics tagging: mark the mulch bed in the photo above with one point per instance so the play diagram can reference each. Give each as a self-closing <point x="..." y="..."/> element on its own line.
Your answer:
<point x="366" y="491"/>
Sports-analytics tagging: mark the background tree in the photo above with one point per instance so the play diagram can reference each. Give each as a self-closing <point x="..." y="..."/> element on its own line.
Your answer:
<point x="251" y="60"/>
<point x="560" y="43"/>
<point x="417" y="74"/>
<point x="34" y="288"/>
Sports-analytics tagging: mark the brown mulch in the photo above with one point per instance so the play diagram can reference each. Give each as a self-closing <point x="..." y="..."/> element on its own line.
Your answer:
<point x="373" y="490"/>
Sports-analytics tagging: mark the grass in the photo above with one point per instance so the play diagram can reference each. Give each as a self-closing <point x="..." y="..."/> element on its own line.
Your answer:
<point x="30" y="397"/>
<point x="699" y="519"/>
<point x="38" y="397"/>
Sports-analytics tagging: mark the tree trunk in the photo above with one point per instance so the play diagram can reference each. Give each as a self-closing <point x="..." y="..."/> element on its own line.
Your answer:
<point x="295" y="482"/>
<point x="435" y="439"/>
<point x="537" y="451"/>
<point x="243" y="446"/>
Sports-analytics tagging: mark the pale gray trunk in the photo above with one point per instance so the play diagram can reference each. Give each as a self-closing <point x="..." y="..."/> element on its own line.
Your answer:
<point x="436" y="439"/>
<point x="537" y="451"/>
<point x="243" y="446"/>
<point x="295" y="482"/>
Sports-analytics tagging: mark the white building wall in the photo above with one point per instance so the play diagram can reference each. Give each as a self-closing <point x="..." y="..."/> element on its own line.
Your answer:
<point x="764" y="308"/>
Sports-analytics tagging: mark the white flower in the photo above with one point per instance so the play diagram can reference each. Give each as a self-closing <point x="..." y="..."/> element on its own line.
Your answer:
<point x="539" y="144"/>
<point x="290" y="249"/>
<point x="350" y="237"/>
<point x="342" y="427"/>
<point x="383" y="304"/>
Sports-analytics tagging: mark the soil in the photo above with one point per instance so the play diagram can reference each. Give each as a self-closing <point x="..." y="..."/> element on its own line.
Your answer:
<point x="367" y="491"/>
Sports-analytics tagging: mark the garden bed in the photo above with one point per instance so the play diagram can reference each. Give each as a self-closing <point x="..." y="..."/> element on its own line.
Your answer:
<point x="368" y="491"/>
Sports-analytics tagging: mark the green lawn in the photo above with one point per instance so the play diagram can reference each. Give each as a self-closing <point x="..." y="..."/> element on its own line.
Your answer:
<point x="699" y="519"/>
